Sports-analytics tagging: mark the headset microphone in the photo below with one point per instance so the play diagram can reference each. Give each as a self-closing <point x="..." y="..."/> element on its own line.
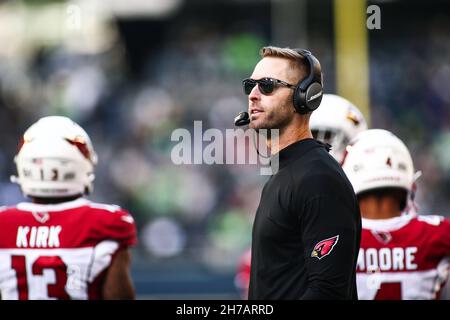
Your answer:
<point x="242" y="119"/>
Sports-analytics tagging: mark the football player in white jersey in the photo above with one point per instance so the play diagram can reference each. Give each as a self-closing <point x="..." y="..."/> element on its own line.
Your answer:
<point x="61" y="245"/>
<point x="402" y="255"/>
<point x="335" y="122"/>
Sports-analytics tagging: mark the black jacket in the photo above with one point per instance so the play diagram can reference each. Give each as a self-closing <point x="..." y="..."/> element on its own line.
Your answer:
<point x="307" y="229"/>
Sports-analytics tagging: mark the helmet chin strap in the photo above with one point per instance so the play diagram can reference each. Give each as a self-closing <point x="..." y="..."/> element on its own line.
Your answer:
<point x="411" y="206"/>
<point x="91" y="177"/>
<point x="90" y="188"/>
<point x="417" y="175"/>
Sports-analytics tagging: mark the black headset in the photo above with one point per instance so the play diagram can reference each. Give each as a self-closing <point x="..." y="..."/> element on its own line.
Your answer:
<point x="308" y="92"/>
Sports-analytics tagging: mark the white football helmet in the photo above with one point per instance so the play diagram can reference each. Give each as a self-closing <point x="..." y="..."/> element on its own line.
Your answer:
<point x="376" y="158"/>
<point x="336" y="122"/>
<point x="55" y="159"/>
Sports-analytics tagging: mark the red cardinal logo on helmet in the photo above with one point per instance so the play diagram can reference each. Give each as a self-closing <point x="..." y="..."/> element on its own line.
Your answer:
<point x="324" y="247"/>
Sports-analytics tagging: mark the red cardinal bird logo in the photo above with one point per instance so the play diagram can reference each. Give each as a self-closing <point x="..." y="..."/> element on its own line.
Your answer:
<point x="324" y="247"/>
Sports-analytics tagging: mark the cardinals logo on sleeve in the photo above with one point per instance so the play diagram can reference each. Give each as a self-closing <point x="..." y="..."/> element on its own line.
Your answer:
<point x="324" y="247"/>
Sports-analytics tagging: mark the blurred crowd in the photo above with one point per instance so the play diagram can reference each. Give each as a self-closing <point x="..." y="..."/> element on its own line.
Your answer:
<point x="410" y="73"/>
<point x="204" y="213"/>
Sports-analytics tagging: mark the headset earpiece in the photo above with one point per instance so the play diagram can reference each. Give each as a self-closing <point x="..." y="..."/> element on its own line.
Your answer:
<point x="308" y="93"/>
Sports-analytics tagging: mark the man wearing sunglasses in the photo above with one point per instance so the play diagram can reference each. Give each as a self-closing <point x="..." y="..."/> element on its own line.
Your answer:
<point x="307" y="227"/>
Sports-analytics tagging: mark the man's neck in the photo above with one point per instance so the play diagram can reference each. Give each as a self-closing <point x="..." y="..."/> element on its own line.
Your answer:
<point x="54" y="200"/>
<point x="379" y="208"/>
<point x="288" y="135"/>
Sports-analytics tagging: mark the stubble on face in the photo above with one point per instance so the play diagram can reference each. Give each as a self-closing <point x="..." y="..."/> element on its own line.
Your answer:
<point x="276" y="117"/>
<point x="276" y="110"/>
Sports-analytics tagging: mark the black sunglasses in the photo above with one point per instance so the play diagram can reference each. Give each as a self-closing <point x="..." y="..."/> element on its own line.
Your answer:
<point x="265" y="85"/>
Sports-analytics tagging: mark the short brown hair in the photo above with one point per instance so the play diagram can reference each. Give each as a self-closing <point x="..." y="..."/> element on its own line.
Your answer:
<point x="298" y="61"/>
